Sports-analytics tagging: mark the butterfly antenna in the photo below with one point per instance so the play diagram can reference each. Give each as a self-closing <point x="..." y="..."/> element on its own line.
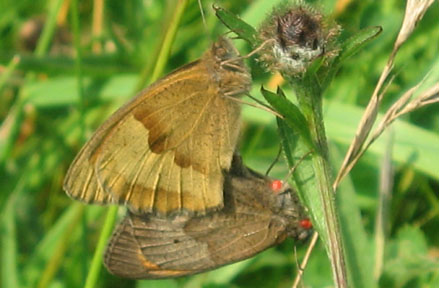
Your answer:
<point x="257" y="105"/>
<point x="305" y="260"/>
<point x="262" y="103"/>
<point x="296" y="165"/>
<point x="202" y="14"/>
<point x="253" y="52"/>
<point x="297" y="259"/>
<point x="274" y="161"/>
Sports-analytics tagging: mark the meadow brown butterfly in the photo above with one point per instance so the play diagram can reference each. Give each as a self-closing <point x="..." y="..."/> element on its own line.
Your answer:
<point x="254" y="218"/>
<point x="165" y="152"/>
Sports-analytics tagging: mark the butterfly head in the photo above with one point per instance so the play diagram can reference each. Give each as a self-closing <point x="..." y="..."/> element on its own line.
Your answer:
<point x="232" y="74"/>
<point x="288" y="206"/>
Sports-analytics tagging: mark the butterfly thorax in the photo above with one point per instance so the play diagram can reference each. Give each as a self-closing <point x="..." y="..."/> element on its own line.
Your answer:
<point x="227" y="68"/>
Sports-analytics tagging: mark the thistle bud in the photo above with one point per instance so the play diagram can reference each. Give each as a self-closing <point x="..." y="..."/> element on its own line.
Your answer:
<point x="294" y="37"/>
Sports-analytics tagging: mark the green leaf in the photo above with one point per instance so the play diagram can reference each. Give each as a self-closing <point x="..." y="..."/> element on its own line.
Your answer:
<point x="348" y="48"/>
<point x="162" y="283"/>
<point x="63" y="91"/>
<point x="355" y="43"/>
<point x="237" y="25"/>
<point x="9" y="251"/>
<point x="46" y="248"/>
<point x="407" y="260"/>
<point x="220" y="276"/>
<point x="293" y="117"/>
<point x="296" y="142"/>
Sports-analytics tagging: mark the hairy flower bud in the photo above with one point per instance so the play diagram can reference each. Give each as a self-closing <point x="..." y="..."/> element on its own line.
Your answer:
<point x="294" y="36"/>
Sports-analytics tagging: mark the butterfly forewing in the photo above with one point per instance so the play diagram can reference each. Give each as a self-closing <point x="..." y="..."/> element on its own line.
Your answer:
<point x="167" y="149"/>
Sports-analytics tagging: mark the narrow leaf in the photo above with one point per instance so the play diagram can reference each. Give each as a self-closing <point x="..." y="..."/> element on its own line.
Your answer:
<point x="353" y="44"/>
<point x="348" y="48"/>
<point x="358" y="248"/>
<point x="293" y="117"/>
<point x="8" y="240"/>
<point x="237" y="25"/>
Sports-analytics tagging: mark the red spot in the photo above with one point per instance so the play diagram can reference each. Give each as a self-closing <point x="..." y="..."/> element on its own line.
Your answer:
<point x="276" y="186"/>
<point x="305" y="223"/>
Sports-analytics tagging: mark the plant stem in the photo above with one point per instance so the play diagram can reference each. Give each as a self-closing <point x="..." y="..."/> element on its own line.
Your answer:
<point x="166" y="46"/>
<point x="309" y="98"/>
<point x="49" y="29"/>
<point x="78" y="63"/>
<point x="95" y="267"/>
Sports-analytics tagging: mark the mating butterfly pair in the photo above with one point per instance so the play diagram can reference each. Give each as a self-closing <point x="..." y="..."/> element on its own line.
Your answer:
<point x="168" y="155"/>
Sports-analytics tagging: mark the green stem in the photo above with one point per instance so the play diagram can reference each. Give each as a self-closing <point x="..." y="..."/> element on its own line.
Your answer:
<point x="9" y="276"/>
<point x="95" y="267"/>
<point x="78" y="66"/>
<point x="166" y="46"/>
<point x="10" y="68"/>
<point x="309" y="97"/>
<point x="8" y="125"/>
<point x="49" y="29"/>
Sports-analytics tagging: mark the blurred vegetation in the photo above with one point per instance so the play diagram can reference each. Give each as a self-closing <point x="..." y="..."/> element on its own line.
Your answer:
<point x="51" y="102"/>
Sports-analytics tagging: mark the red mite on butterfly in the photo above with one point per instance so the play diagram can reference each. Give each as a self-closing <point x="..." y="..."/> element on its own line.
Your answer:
<point x="276" y="186"/>
<point x="305" y="223"/>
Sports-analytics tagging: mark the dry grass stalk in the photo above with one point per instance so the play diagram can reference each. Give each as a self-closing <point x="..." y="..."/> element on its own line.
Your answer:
<point x="315" y="237"/>
<point x="399" y="108"/>
<point x="415" y="10"/>
<point x="97" y="25"/>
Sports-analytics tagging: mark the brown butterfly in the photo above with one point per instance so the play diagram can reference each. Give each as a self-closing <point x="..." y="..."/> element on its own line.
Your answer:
<point x="253" y="219"/>
<point x="166" y="150"/>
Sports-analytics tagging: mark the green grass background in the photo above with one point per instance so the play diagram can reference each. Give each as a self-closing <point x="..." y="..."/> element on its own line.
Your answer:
<point x="51" y="102"/>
